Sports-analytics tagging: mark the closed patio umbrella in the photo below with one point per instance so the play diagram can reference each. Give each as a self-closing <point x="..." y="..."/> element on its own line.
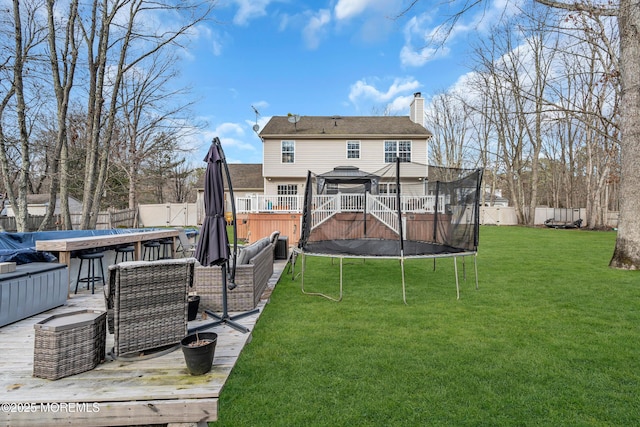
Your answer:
<point x="213" y="245"/>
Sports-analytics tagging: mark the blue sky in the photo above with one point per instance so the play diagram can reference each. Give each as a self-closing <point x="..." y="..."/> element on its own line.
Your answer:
<point x="335" y="57"/>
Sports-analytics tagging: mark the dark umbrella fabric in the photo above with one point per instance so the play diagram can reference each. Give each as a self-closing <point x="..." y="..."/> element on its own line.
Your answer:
<point x="213" y="244"/>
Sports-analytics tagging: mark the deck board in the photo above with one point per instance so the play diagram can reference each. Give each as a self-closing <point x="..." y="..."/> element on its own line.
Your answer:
<point x="148" y="390"/>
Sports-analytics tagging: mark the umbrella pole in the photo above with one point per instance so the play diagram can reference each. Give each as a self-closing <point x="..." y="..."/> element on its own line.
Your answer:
<point x="224" y="318"/>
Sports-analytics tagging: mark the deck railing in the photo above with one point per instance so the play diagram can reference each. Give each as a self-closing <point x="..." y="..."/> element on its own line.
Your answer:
<point x="262" y="203"/>
<point x="342" y="202"/>
<point x="385" y="213"/>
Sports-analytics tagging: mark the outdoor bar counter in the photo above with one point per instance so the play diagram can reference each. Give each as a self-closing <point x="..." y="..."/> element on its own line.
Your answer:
<point x="65" y="247"/>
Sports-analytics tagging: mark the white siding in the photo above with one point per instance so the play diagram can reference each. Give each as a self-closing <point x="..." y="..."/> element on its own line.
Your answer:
<point x="320" y="156"/>
<point x="271" y="187"/>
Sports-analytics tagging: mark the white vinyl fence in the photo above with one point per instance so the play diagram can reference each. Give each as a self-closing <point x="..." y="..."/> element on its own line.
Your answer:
<point x="168" y="215"/>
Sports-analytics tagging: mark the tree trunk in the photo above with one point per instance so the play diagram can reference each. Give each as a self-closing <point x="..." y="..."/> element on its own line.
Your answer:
<point x="20" y="205"/>
<point x="627" y="250"/>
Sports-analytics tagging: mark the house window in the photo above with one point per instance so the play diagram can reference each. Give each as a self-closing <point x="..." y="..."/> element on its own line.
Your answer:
<point x="393" y="149"/>
<point x="287" y="189"/>
<point x="288" y="151"/>
<point x="387" y="188"/>
<point x="287" y="196"/>
<point x="353" y="149"/>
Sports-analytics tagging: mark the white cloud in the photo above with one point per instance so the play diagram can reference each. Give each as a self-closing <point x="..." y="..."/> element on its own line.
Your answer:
<point x="395" y="99"/>
<point x="400" y="104"/>
<point x="362" y="89"/>
<point x="415" y="34"/>
<point x="425" y="41"/>
<point x="233" y="137"/>
<point x="347" y="9"/>
<point x="250" y="9"/>
<point x="316" y="27"/>
<point x="412" y="57"/>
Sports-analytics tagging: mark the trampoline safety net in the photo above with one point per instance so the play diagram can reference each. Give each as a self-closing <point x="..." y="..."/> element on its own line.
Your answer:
<point x="405" y="209"/>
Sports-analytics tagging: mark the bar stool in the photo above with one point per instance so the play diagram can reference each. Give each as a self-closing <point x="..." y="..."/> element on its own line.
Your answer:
<point x="91" y="278"/>
<point x="125" y="252"/>
<point x="153" y="246"/>
<point x="165" y="248"/>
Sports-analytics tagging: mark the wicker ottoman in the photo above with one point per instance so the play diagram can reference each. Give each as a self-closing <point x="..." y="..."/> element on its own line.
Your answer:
<point x="67" y="344"/>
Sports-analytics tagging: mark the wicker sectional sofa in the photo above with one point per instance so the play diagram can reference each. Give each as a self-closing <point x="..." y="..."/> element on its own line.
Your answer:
<point x="253" y="270"/>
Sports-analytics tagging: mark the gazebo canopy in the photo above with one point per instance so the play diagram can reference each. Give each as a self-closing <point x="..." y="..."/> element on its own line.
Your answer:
<point x="347" y="179"/>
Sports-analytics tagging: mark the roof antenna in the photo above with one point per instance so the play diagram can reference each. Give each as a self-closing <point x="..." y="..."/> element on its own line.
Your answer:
<point x="256" y="128"/>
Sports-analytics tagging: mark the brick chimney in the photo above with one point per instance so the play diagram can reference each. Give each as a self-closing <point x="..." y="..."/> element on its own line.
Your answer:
<point x="416" y="113"/>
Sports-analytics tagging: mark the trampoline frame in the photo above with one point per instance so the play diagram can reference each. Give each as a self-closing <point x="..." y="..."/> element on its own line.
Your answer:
<point x="298" y="252"/>
<point x="439" y="248"/>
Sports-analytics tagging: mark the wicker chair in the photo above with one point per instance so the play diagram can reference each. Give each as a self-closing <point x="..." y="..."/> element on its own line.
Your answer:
<point x="147" y="303"/>
<point x="255" y="267"/>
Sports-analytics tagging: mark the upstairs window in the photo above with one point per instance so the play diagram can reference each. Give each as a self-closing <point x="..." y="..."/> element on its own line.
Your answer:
<point x="353" y="149"/>
<point x="393" y="149"/>
<point x="288" y="151"/>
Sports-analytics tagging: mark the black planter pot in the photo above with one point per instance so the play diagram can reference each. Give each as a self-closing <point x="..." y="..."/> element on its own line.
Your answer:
<point x="199" y="358"/>
<point x="194" y="303"/>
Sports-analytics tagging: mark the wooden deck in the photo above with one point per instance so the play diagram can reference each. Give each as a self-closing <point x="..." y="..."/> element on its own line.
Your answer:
<point x="151" y="390"/>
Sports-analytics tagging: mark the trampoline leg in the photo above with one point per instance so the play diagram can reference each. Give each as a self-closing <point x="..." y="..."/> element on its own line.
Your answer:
<point x="455" y="267"/>
<point x="304" y="263"/>
<point x="340" y="298"/>
<point x="475" y="265"/>
<point x="404" y="294"/>
<point x="464" y="268"/>
<point x="302" y="266"/>
<point x="292" y="265"/>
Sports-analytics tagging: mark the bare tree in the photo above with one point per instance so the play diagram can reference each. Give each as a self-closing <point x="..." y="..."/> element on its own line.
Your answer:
<point x="149" y="108"/>
<point x="27" y="35"/>
<point x="180" y="175"/>
<point x="447" y="118"/>
<point x="130" y="44"/>
<point x="627" y="250"/>
<point x="503" y="83"/>
<point x="62" y="78"/>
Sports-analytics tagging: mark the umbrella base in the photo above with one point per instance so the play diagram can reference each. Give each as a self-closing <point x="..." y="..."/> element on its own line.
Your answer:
<point x="226" y="319"/>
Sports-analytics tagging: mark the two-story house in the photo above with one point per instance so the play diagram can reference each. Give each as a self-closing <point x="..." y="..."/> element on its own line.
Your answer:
<point x="294" y="145"/>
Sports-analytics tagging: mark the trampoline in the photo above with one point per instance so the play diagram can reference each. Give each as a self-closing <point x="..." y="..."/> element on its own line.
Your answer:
<point x="405" y="210"/>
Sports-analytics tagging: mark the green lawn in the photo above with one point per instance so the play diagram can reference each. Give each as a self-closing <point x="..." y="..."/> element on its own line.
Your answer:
<point x="551" y="338"/>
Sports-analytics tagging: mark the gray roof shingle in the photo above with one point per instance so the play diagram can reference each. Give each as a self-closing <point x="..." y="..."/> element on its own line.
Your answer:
<point x="336" y="126"/>
<point x="245" y="176"/>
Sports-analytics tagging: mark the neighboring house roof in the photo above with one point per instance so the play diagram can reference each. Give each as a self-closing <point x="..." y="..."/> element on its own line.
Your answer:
<point x="244" y="176"/>
<point x="497" y="200"/>
<point x="75" y="205"/>
<point x="340" y="126"/>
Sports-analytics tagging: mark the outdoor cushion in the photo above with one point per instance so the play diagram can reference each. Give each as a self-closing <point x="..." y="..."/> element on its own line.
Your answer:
<point x="243" y="257"/>
<point x="263" y="243"/>
<point x="274" y="237"/>
<point x="248" y="253"/>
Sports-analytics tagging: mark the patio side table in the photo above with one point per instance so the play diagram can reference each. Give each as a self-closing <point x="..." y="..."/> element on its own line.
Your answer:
<point x="68" y="344"/>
